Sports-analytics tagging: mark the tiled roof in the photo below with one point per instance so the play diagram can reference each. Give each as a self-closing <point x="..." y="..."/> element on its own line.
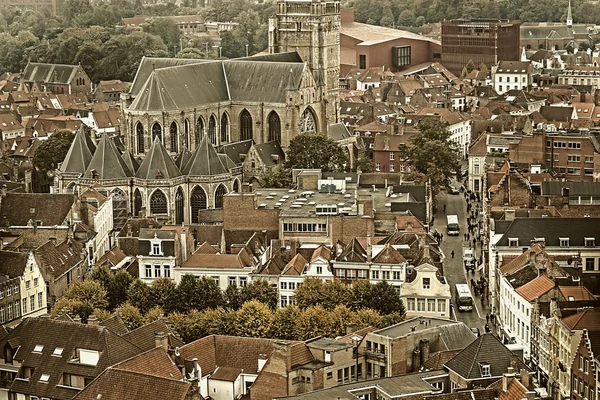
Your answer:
<point x="183" y="157"/>
<point x="361" y="333"/>
<point x="115" y="324"/>
<point x="19" y="208"/>
<point x="107" y="162"/>
<point x="53" y="334"/>
<point x="12" y="264"/>
<point x="144" y="336"/>
<point x="389" y="255"/>
<point x="228" y="374"/>
<point x="205" y="161"/>
<point x="49" y="73"/>
<point x="576" y="293"/>
<point x="322" y="252"/>
<point x="486" y="349"/>
<point x="535" y="288"/>
<point x="473" y="394"/>
<point x="354" y="252"/>
<point x="437" y="360"/>
<point x="300" y="354"/>
<point x="515" y="391"/>
<point x="295" y="266"/>
<point x="155" y="362"/>
<point x="227" y="351"/>
<point x="206" y="248"/>
<point x="58" y="259"/>
<point x="215" y="261"/>
<point x="115" y="384"/>
<point x="520" y="261"/>
<point x="586" y="319"/>
<point x="113" y="257"/>
<point x="551" y="229"/>
<point x="157" y="163"/>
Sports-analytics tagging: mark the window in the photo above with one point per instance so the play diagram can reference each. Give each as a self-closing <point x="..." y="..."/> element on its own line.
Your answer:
<point x="573" y="158"/>
<point x="362" y="61"/>
<point x="430" y="305"/>
<point x="401" y="55"/>
<point x="426" y="283"/>
<point x="330" y="375"/>
<point x="40" y="299"/>
<point x="485" y="370"/>
<point x="8" y="291"/>
<point x="391" y="156"/>
<point x="374" y="274"/>
<point x="589" y="264"/>
<point x="243" y="281"/>
<point x="44" y="378"/>
<point x="16" y="289"/>
<point x="378" y="166"/>
<point x="292" y="285"/>
<point x="27" y="284"/>
<point x="17" y="309"/>
<point x="590" y="242"/>
<point x="340" y="273"/>
<point x="396" y="275"/>
<point x="588" y="159"/>
<point x="57" y="351"/>
<point x="420" y="304"/>
<point x="167" y="271"/>
<point x="148" y="271"/>
<point x="556" y="158"/>
<point x="155" y="249"/>
<point x="441" y="306"/>
<point x="24" y="306"/>
<point x="385" y="275"/>
<point x="1" y="293"/>
<point x="574" y="145"/>
<point x="351" y="274"/>
<point x="362" y="274"/>
<point x="392" y="168"/>
<point x="319" y="270"/>
<point x="560" y="145"/>
<point x="513" y="242"/>
<point x="32" y="302"/>
<point x="499" y="79"/>
<point x="35" y="282"/>
<point x="9" y="311"/>
<point x="38" y="348"/>
<point x="284" y="285"/>
<point x="586" y="366"/>
<point x="411" y="304"/>
<point x="564" y="242"/>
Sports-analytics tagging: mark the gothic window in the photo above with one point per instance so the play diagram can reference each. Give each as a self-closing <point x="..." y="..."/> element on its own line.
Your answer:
<point x="199" y="131"/>
<point x="120" y="208"/>
<point x="186" y="133"/>
<point x="219" y="193"/>
<point x="198" y="202"/>
<point x="236" y="186"/>
<point x="307" y="122"/>
<point x="212" y="129"/>
<point x="179" y="206"/>
<point x="173" y="135"/>
<point x="245" y="125"/>
<point x="158" y="203"/>
<point x="224" y="128"/>
<point x="137" y="202"/>
<point x="156" y="131"/>
<point x="274" y="127"/>
<point x="139" y="132"/>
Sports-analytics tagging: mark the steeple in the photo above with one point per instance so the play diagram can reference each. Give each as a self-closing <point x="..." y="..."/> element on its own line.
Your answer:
<point x="569" y="16"/>
<point x="107" y="162"/>
<point x="205" y="161"/>
<point x="79" y="155"/>
<point x="158" y="164"/>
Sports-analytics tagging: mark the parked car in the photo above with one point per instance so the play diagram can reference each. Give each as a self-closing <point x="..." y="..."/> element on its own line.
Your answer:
<point x="453" y="190"/>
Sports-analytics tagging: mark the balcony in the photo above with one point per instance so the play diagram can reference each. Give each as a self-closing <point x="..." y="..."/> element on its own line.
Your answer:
<point x="374" y="354"/>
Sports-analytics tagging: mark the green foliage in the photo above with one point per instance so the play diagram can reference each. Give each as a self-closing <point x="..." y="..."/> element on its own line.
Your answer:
<point x="314" y="151"/>
<point x="131" y="315"/>
<point x="315" y="292"/>
<point x="167" y="30"/>
<point x="82" y="298"/>
<point x="51" y="152"/>
<point x="431" y="153"/>
<point x="470" y="66"/>
<point x="187" y="291"/>
<point x="406" y="18"/>
<point x="365" y="164"/>
<point x="260" y="290"/>
<point x="233" y="297"/>
<point x="283" y="325"/>
<point x="209" y="294"/>
<point x="254" y="319"/>
<point x="191" y="52"/>
<point x="278" y="177"/>
<point x="139" y="295"/>
<point x="381" y="297"/>
<point x="163" y="294"/>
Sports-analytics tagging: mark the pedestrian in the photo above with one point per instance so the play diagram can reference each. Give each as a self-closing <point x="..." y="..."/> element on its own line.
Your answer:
<point x="487" y="318"/>
<point x="441" y="237"/>
<point x="452" y="254"/>
<point x="487" y="328"/>
<point x="468" y="236"/>
<point x="444" y="208"/>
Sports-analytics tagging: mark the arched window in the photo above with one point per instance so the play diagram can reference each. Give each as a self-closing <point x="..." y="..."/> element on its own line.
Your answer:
<point x="158" y="203"/>
<point x="236" y="186"/>
<point x="137" y="203"/>
<point x="179" y="206"/>
<point x="224" y="128"/>
<point x="173" y="135"/>
<point x="212" y="129"/>
<point x="198" y="202"/>
<point x="307" y="122"/>
<point x="245" y="125"/>
<point x="139" y="133"/>
<point x="199" y="131"/>
<point x="186" y="133"/>
<point x="274" y="127"/>
<point x="120" y="208"/>
<point x="219" y="193"/>
<point x="156" y="131"/>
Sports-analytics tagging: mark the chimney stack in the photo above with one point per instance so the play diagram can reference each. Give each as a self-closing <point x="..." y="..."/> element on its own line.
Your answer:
<point x="416" y="359"/>
<point x="92" y="320"/>
<point x="424" y="344"/>
<point x="506" y="378"/>
<point x="525" y="378"/>
<point x="514" y="363"/>
<point x="161" y="339"/>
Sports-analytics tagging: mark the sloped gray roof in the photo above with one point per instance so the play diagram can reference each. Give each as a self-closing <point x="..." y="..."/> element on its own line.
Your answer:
<point x="186" y="86"/>
<point x="205" y="161"/>
<point x="79" y="155"/>
<point x="456" y="336"/>
<point x="183" y="157"/>
<point x="338" y="131"/>
<point x="226" y="161"/>
<point x="235" y="150"/>
<point x="158" y="163"/>
<point x="267" y="150"/>
<point x="131" y="162"/>
<point x="575" y="188"/>
<point x="107" y="162"/>
<point x="149" y="64"/>
<point x="290" y="56"/>
<point x="49" y="73"/>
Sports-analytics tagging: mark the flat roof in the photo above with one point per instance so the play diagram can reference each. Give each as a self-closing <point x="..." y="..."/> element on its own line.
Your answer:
<point x="328" y="344"/>
<point x="418" y="323"/>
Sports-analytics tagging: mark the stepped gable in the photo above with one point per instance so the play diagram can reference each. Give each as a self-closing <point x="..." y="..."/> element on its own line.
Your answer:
<point x="79" y="155"/>
<point x="183" y="157"/>
<point x="130" y="161"/>
<point x="107" y="163"/>
<point x="158" y="164"/>
<point x="205" y="161"/>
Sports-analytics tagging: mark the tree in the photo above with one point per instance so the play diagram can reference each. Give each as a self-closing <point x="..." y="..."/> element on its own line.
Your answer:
<point x="313" y="151"/>
<point x="51" y="152"/>
<point x="167" y="30"/>
<point x="311" y="293"/>
<point x="163" y="294"/>
<point x="284" y="321"/>
<point x="209" y="294"/>
<point x="139" y="295"/>
<point x="103" y="276"/>
<point x="191" y="52"/>
<point x="118" y="289"/>
<point x="254" y="319"/>
<point x="420" y="21"/>
<point x="82" y="299"/>
<point x="314" y="321"/>
<point x="431" y="153"/>
<point x="233" y="297"/>
<point x="131" y="315"/>
<point x="470" y="66"/>
<point x="278" y="177"/>
<point x="365" y="164"/>
<point x="483" y="69"/>
<point x="187" y="294"/>
<point x="406" y="18"/>
<point x="381" y="297"/>
<point x="260" y="290"/>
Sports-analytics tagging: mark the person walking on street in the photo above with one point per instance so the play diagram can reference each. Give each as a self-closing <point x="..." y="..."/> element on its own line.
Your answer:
<point x="452" y="254"/>
<point x="487" y="318"/>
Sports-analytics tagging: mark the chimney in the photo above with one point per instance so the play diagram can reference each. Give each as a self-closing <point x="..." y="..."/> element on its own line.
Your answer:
<point x="161" y="339"/>
<point x="424" y="344"/>
<point x="197" y="371"/>
<point x="506" y="378"/>
<point x="509" y="215"/>
<point x="350" y="328"/>
<point x="525" y="379"/>
<point x="416" y="359"/>
<point x="281" y="350"/>
<point x="92" y="320"/>
<point x="262" y="360"/>
<point x="514" y="363"/>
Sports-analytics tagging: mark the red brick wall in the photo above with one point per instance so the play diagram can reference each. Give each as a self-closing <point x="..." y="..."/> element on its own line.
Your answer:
<point x="240" y="214"/>
<point x="272" y="380"/>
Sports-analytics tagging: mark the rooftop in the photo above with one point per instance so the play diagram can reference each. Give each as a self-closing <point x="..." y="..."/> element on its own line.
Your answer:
<point x="412" y="325"/>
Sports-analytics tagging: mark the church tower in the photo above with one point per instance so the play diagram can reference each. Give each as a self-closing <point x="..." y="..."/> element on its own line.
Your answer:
<point x="569" y="16"/>
<point x="312" y="28"/>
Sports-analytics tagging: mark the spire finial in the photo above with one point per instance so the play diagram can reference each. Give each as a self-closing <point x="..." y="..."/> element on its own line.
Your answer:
<point x="569" y="16"/>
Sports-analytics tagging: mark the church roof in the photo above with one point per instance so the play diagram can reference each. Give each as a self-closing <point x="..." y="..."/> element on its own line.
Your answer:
<point x="183" y="157"/>
<point x="185" y="86"/>
<point x="79" y="155"/>
<point x="107" y="162"/>
<point x="158" y="164"/>
<point x="270" y="153"/>
<point x="226" y="161"/>
<point x="130" y="161"/>
<point x="149" y="64"/>
<point x="205" y="161"/>
<point x="237" y="151"/>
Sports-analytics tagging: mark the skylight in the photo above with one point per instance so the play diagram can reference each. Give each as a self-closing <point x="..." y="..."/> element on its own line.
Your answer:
<point x="57" y="351"/>
<point x="44" y="378"/>
<point x="38" y="348"/>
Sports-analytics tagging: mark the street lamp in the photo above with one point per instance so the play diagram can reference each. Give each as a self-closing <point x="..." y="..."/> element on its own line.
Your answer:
<point x="247" y="49"/>
<point x="356" y="341"/>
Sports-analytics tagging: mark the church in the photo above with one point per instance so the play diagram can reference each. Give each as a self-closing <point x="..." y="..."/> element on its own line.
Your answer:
<point x="178" y="112"/>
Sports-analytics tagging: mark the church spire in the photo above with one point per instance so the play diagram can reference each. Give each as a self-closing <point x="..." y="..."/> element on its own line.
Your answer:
<point x="569" y="16"/>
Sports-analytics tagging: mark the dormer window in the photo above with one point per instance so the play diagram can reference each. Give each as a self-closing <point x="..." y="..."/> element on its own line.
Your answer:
<point x="564" y="242"/>
<point x="513" y="242"/>
<point x="38" y="348"/>
<point x="426" y="283"/>
<point x="540" y="240"/>
<point x="590" y="242"/>
<point x="156" y="249"/>
<point x="85" y="357"/>
<point x="485" y="370"/>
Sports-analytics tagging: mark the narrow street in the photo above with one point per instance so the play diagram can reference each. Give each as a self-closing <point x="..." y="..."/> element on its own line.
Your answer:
<point x="454" y="270"/>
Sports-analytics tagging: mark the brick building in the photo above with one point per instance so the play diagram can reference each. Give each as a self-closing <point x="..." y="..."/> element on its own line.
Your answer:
<point x="387" y="155"/>
<point x="584" y="371"/>
<point x="573" y="156"/>
<point x="480" y="40"/>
